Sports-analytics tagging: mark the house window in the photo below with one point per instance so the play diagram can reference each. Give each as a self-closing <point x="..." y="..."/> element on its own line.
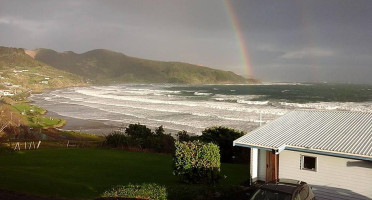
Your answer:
<point x="308" y="163"/>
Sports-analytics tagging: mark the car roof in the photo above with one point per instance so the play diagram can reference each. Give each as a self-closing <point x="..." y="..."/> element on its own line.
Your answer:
<point x="288" y="186"/>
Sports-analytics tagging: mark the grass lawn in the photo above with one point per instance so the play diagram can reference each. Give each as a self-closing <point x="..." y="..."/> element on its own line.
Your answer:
<point x="33" y="116"/>
<point x="87" y="173"/>
<point x="27" y="108"/>
<point x="45" y="122"/>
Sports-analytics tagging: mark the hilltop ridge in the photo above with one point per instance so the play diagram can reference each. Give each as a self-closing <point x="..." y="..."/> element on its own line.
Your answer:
<point x="106" y="66"/>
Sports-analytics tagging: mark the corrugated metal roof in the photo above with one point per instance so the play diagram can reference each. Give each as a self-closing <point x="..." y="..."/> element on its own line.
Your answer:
<point x="328" y="131"/>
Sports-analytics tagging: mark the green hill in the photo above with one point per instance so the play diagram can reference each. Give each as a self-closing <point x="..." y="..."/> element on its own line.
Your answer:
<point x="104" y="66"/>
<point x="20" y="72"/>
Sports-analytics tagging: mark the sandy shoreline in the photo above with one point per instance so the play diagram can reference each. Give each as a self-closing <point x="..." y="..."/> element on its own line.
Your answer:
<point x="96" y="127"/>
<point x="84" y="125"/>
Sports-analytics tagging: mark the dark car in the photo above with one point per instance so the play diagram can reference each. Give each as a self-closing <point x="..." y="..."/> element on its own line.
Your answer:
<point x="284" y="189"/>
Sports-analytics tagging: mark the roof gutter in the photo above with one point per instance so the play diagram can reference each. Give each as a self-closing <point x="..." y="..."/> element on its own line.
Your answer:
<point x="302" y="149"/>
<point x="329" y="153"/>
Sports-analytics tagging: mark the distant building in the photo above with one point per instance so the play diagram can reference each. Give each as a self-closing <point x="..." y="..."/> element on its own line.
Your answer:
<point x="330" y="150"/>
<point x="6" y="93"/>
<point x="7" y="84"/>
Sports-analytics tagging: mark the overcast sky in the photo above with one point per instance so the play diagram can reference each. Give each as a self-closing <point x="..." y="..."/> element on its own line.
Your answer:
<point x="287" y="40"/>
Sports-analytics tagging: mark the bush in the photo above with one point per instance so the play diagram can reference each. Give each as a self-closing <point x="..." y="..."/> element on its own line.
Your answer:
<point x="183" y="136"/>
<point x="144" y="191"/>
<point x="224" y="137"/>
<point x="117" y="139"/>
<point x="139" y="134"/>
<point x="196" y="162"/>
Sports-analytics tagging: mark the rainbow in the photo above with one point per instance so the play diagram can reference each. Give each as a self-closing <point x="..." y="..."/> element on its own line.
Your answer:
<point x="239" y="38"/>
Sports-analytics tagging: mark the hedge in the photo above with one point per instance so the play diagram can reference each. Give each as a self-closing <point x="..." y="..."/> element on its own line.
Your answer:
<point x="196" y="162"/>
<point x="144" y="191"/>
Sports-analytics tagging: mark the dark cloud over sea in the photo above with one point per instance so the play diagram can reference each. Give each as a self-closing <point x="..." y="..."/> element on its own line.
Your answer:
<point x="287" y="40"/>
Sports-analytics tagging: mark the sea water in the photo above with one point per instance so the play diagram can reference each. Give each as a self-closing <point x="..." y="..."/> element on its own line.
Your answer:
<point x="196" y="107"/>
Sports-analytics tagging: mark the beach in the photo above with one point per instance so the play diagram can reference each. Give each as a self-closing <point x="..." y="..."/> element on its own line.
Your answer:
<point x="193" y="108"/>
<point x="96" y="127"/>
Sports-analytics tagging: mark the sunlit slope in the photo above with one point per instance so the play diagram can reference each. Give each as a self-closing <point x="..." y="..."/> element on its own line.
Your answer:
<point x="20" y="70"/>
<point x="104" y="66"/>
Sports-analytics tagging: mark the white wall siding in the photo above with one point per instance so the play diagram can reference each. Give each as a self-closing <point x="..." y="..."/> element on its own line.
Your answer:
<point x="335" y="178"/>
<point x="261" y="165"/>
<point x="254" y="164"/>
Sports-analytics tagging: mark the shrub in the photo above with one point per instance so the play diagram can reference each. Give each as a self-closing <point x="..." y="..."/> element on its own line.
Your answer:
<point x="159" y="131"/>
<point x="196" y="162"/>
<point x="145" y="191"/>
<point x="117" y="139"/>
<point x="162" y="143"/>
<point x="183" y="136"/>
<point x="139" y="134"/>
<point x="224" y="137"/>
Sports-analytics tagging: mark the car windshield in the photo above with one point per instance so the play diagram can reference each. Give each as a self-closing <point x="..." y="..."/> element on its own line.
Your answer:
<point x="262" y="194"/>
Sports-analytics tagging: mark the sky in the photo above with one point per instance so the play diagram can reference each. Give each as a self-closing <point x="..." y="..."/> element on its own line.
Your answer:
<point x="272" y="40"/>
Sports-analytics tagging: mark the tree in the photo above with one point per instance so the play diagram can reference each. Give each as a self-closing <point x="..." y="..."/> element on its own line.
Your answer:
<point x="159" y="131"/>
<point x="10" y="122"/>
<point x="183" y="136"/>
<point x="224" y="137"/>
<point x="140" y="134"/>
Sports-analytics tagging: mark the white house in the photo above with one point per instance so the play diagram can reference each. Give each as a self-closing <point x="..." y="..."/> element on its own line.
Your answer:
<point x="6" y="93"/>
<point x="330" y="150"/>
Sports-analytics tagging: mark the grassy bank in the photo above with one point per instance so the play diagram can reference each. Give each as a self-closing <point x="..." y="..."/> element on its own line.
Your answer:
<point x="86" y="173"/>
<point x="33" y="116"/>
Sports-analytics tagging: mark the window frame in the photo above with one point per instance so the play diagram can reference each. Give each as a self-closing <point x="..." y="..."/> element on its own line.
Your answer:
<point x="303" y="161"/>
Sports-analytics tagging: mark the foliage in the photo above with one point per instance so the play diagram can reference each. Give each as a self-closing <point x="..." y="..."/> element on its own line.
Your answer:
<point x="159" y="131"/>
<point x="117" y="139"/>
<point x="183" y="136"/>
<point x="139" y="136"/>
<point x="195" y="162"/>
<point x="146" y="191"/>
<point x="224" y="137"/>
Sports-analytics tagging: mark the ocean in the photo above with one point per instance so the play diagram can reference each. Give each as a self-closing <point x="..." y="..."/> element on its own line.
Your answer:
<point x="196" y="107"/>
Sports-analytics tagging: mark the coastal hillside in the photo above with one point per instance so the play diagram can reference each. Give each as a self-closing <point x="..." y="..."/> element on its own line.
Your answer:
<point x="105" y="66"/>
<point x="20" y="72"/>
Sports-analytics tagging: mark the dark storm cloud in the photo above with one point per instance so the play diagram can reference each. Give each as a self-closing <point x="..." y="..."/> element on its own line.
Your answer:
<point x="288" y="40"/>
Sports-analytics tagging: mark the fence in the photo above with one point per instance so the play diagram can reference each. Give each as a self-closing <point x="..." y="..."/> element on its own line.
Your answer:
<point x="29" y="144"/>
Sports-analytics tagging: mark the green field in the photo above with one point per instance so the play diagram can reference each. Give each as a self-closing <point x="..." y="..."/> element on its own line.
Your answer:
<point x="87" y="173"/>
<point x="33" y="116"/>
<point x="29" y="109"/>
